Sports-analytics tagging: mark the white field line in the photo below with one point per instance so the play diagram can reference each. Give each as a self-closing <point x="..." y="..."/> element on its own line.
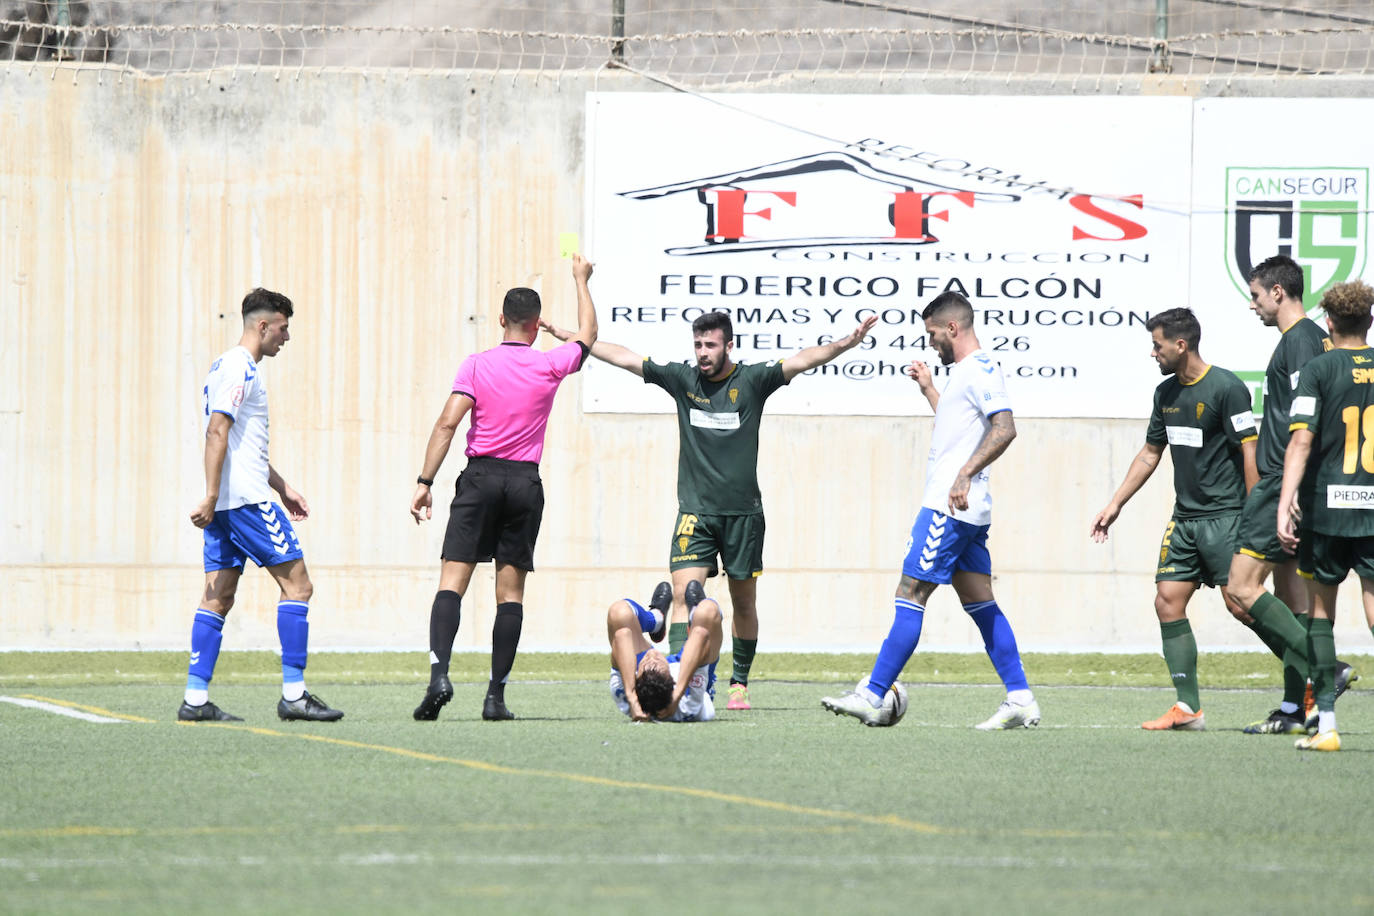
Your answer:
<point x="61" y="710"/>
<point x="388" y="859"/>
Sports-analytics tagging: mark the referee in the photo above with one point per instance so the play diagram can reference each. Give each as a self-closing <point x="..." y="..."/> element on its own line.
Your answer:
<point x="499" y="499"/>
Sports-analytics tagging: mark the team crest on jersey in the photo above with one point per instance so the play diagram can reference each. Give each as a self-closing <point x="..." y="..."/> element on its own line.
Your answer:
<point x="734" y="395"/>
<point x="1319" y="217"/>
<point x="1200" y="408"/>
<point x="681" y="543"/>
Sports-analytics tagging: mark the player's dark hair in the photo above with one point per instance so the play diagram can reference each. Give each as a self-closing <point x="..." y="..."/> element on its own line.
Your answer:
<point x="654" y="687"/>
<point x="1280" y="270"/>
<point x="521" y="305"/>
<point x="951" y="305"/>
<point x="264" y="300"/>
<point x="1177" y="324"/>
<point x="1349" y="305"/>
<point x="714" y="321"/>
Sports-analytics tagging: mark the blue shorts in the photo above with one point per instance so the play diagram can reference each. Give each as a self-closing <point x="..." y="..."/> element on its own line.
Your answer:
<point x="261" y="532"/>
<point x="940" y="546"/>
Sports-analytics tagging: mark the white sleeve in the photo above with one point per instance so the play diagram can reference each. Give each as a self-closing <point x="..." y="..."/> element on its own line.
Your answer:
<point x="227" y="386"/>
<point x="989" y="387"/>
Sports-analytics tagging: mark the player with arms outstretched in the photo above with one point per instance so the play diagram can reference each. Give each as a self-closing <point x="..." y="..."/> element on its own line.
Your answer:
<point x="720" y="510"/>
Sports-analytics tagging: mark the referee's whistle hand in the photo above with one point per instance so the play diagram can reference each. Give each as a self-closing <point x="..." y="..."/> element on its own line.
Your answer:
<point x="421" y="504"/>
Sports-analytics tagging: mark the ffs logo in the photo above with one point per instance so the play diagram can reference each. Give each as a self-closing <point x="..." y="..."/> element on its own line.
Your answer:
<point x="1319" y="217"/>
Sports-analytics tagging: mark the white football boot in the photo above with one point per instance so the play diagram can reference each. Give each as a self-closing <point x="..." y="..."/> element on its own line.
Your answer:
<point x="856" y="704"/>
<point x="1010" y="715"/>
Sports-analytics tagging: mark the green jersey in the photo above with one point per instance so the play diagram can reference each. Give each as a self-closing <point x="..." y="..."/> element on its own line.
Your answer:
<point x="1204" y="424"/>
<point x="718" y="433"/>
<point x="1335" y="401"/>
<point x="1303" y="340"/>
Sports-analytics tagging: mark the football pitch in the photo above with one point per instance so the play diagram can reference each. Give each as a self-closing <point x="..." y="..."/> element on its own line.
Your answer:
<point x="784" y="808"/>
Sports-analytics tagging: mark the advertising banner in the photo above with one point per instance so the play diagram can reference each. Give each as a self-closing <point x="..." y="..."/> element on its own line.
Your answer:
<point x="1065" y="222"/>
<point x="1264" y="184"/>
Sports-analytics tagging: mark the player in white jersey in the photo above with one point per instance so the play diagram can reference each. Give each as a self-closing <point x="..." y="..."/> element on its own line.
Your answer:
<point x="948" y="544"/>
<point x="241" y="521"/>
<point x="646" y="684"/>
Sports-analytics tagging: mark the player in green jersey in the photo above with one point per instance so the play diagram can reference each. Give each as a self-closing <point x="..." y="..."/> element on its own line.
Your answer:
<point x="720" y="510"/>
<point x="1333" y="434"/>
<point x="1276" y="286"/>
<point x="1203" y="414"/>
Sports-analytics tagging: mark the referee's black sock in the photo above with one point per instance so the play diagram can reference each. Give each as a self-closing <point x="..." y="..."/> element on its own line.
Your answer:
<point x="443" y="629"/>
<point x="505" y="637"/>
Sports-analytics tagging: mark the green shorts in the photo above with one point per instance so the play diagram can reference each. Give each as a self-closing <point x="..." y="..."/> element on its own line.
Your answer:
<point x="1198" y="549"/>
<point x="1258" y="535"/>
<point x="1332" y="557"/>
<point x="738" y="539"/>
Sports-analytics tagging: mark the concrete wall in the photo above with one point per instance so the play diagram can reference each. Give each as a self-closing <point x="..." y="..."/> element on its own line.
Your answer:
<point x="395" y="211"/>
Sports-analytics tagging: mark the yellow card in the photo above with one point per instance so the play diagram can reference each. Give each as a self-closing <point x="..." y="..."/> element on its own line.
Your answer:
<point x="567" y="245"/>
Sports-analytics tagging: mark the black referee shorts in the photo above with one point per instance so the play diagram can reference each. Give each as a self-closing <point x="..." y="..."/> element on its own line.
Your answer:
<point x="496" y="510"/>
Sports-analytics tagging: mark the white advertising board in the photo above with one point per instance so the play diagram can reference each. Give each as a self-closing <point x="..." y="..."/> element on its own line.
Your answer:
<point x="1064" y="221"/>
<point x="1275" y="176"/>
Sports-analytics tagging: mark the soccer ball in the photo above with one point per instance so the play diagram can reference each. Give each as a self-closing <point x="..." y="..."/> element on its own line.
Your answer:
<point x="894" y="701"/>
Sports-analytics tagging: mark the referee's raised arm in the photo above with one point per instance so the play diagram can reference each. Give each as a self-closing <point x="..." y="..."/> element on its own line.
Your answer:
<point x="586" y="311"/>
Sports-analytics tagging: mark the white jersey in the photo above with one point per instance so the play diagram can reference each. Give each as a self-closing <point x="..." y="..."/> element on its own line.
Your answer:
<point x="236" y="389"/>
<point x="696" y="704"/>
<point x="975" y="392"/>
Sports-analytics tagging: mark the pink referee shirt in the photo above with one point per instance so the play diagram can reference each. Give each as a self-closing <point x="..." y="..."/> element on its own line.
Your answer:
<point x="512" y="388"/>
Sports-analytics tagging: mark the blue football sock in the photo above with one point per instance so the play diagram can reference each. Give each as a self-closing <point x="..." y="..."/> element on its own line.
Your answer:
<point x="1000" y="642"/>
<point x="649" y="619"/>
<point x="207" y="632"/>
<point x="897" y="648"/>
<point x="294" y="631"/>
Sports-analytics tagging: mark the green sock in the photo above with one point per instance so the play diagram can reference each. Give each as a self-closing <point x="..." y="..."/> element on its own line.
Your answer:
<point x="1323" y="655"/>
<point x="742" y="656"/>
<point x="677" y="637"/>
<point x="1275" y="616"/>
<point x="1294" y="665"/>
<point x="1180" y="654"/>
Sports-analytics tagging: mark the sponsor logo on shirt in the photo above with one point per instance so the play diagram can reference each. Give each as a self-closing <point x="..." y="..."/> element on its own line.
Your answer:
<point x="708" y="420"/>
<point x="1304" y="406"/>
<point x="1242" y="421"/>
<point x="1187" y="436"/>
<point x="1340" y="496"/>
<point x="237" y="399"/>
<point x="1293" y="379"/>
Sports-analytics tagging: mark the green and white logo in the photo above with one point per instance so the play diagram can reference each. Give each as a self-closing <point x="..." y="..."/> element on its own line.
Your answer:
<point x="1319" y="217"/>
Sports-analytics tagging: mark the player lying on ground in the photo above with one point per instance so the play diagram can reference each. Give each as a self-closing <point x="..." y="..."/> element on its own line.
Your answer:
<point x="645" y="683"/>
